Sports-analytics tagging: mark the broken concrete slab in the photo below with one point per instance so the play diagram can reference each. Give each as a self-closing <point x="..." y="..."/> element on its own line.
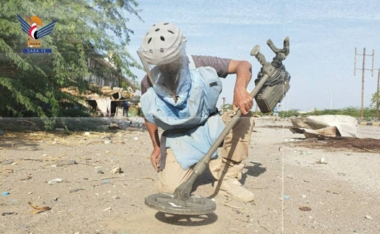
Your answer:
<point x="326" y="125"/>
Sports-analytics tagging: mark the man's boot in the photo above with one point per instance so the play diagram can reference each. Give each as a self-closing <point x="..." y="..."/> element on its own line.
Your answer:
<point x="235" y="189"/>
<point x="230" y="176"/>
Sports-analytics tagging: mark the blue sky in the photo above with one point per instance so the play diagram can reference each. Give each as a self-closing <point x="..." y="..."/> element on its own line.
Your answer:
<point x="323" y="35"/>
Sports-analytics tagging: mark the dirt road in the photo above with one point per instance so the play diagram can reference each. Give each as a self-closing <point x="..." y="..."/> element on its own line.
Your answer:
<point x="294" y="193"/>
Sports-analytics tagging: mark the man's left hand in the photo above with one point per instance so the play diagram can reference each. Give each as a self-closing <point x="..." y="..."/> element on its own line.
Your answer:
<point x="243" y="99"/>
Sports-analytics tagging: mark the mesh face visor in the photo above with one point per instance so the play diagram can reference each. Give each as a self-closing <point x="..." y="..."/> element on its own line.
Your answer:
<point x="167" y="73"/>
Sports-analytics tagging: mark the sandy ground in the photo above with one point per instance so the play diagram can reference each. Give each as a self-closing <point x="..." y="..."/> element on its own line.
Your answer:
<point x="343" y="195"/>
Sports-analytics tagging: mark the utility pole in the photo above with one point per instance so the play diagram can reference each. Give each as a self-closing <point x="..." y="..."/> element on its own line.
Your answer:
<point x="378" y="94"/>
<point x="363" y="73"/>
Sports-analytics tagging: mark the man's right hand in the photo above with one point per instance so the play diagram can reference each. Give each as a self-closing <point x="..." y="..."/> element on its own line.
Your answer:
<point x="155" y="158"/>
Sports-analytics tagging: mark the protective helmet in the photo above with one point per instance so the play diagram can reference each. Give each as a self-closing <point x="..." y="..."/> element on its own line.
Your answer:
<point x="163" y="56"/>
<point x="162" y="44"/>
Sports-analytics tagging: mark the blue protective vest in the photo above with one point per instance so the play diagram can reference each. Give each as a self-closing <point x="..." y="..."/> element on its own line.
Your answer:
<point x="191" y="145"/>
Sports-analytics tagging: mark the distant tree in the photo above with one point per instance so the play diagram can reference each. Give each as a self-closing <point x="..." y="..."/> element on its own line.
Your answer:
<point x="226" y="107"/>
<point x="30" y="83"/>
<point x="375" y="100"/>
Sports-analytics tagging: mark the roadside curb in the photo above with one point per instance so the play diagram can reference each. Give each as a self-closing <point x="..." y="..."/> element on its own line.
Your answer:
<point x="370" y="124"/>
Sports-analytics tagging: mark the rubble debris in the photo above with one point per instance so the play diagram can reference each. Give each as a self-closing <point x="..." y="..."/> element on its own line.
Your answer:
<point x="325" y="125"/>
<point x="113" y="126"/>
<point x="6" y="171"/>
<point x="38" y="209"/>
<point x="347" y="143"/>
<point x="332" y="192"/>
<point x="322" y="161"/>
<point x="76" y="190"/>
<point x="27" y="178"/>
<point x="305" y="208"/>
<point x="4" y="194"/>
<point x="57" y="180"/>
<point x="7" y="162"/>
<point x="368" y="217"/>
<point x="99" y="171"/>
<point x="61" y="163"/>
<point x="116" y="170"/>
<point x="8" y="213"/>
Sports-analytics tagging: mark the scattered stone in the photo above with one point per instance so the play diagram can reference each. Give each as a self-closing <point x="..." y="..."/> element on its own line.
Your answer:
<point x="61" y="163"/>
<point x="136" y="138"/>
<point x="322" y="161"/>
<point x="27" y="178"/>
<point x="368" y="217"/>
<point x="86" y="133"/>
<point x="135" y="125"/>
<point x="76" y="190"/>
<point x="30" y="193"/>
<point x="107" y="209"/>
<point x="116" y="170"/>
<point x="332" y="192"/>
<point x="7" y="162"/>
<point x="113" y="126"/>
<point x="99" y="171"/>
<point x="115" y="197"/>
<point x="303" y="196"/>
<point x="8" y="213"/>
<point x="107" y="142"/>
<point x="57" y="180"/>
